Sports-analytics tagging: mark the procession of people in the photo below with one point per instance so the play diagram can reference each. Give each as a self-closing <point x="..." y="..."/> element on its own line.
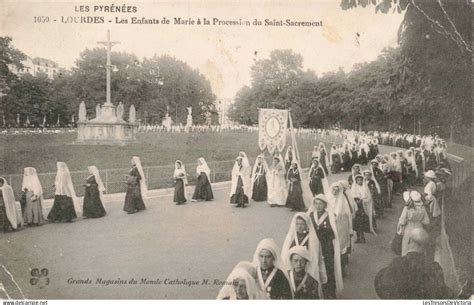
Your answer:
<point x="315" y="255"/>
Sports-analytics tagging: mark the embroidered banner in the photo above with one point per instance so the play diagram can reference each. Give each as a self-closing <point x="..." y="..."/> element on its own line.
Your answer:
<point x="272" y="125"/>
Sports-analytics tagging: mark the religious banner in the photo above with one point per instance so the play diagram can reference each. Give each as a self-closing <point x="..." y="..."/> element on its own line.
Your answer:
<point x="272" y="124"/>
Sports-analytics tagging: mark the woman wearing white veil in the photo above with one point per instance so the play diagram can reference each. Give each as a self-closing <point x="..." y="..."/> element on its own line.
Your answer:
<point x="364" y="215"/>
<point x="343" y="216"/>
<point x="324" y="223"/>
<point x="259" y="188"/>
<point x="93" y="195"/>
<point x="64" y="196"/>
<point x="276" y="183"/>
<point x="270" y="277"/>
<point x="136" y="188"/>
<point x="203" y="190"/>
<point x="302" y="233"/>
<point x="32" y="198"/>
<point x="375" y="192"/>
<point x="335" y="159"/>
<point x="289" y="156"/>
<point x="240" y="185"/>
<point x="303" y="285"/>
<point x="10" y="219"/>
<point x="318" y="182"/>
<point x="294" y="199"/>
<point x="180" y="181"/>
<point x="323" y="158"/>
<point x="247" y="272"/>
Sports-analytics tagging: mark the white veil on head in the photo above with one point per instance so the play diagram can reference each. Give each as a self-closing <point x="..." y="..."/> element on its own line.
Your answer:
<point x="143" y="184"/>
<point x="63" y="182"/>
<point x="202" y="167"/>
<point x="180" y="171"/>
<point x="362" y="192"/>
<point x="241" y="271"/>
<point x="270" y="245"/>
<point x="31" y="181"/>
<point x="371" y="178"/>
<point x="263" y="168"/>
<point x="10" y="204"/>
<point x="95" y="172"/>
<point x="317" y="269"/>
<point x="245" y="160"/>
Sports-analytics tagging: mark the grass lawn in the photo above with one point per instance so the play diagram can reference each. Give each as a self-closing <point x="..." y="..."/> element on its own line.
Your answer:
<point x="157" y="151"/>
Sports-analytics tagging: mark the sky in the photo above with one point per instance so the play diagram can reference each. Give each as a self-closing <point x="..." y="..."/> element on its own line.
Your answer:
<point x="223" y="53"/>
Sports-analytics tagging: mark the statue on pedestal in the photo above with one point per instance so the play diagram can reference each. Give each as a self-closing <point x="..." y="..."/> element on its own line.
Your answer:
<point x="82" y="111"/>
<point x="189" y="119"/>
<point x="132" y="114"/>
<point x="120" y="111"/>
<point x="98" y="111"/>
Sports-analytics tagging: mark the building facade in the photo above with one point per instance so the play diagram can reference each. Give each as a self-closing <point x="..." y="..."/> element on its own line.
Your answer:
<point x="36" y="66"/>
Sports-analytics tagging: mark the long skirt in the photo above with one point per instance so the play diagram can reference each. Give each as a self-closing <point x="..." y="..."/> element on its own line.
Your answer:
<point x="295" y="199"/>
<point x="133" y="199"/>
<point x="179" y="197"/>
<point x="63" y="209"/>
<point x="316" y="186"/>
<point x="203" y="190"/>
<point x="33" y="210"/>
<point x="239" y="196"/>
<point x="92" y="207"/>
<point x="361" y="221"/>
<point x="336" y="164"/>
<point x="260" y="189"/>
<point x="5" y="224"/>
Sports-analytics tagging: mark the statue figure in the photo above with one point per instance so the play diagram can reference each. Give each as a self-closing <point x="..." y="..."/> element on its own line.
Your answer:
<point x="190" y="110"/>
<point x="98" y="111"/>
<point x="82" y="111"/>
<point x="120" y="111"/>
<point x="132" y="114"/>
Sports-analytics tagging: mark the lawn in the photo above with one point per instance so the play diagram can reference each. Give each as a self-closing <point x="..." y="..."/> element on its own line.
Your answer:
<point x="157" y="151"/>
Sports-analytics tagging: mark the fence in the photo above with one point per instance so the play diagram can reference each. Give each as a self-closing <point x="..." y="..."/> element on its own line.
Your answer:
<point x="157" y="177"/>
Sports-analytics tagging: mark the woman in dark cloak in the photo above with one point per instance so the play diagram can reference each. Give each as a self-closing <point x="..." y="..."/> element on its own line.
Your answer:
<point x="94" y="188"/>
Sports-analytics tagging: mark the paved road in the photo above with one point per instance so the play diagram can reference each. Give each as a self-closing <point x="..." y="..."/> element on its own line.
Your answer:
<point x="193" y="242"/>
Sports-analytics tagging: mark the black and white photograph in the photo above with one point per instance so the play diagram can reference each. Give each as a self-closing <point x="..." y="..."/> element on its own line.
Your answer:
<point x="236" y="150"/>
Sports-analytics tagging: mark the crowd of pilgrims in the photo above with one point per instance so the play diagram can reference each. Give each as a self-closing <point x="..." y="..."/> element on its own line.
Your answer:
<point x="316" y="250"/>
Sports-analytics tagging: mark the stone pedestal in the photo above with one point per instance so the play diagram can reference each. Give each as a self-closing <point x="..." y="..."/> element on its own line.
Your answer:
<point x="111" y="133"/>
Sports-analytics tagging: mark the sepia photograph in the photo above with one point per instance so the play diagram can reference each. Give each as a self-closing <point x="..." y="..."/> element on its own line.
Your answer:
<point x="236" y="150"/>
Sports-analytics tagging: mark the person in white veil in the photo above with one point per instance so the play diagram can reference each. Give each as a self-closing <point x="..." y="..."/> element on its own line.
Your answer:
<point x="64" y="196"/>
<point x="303" y="285"/>
<point x="289" y="156"/>
<point x="363" y="222"/>
<point x="277" y="183"/>
<point x="324" y="223"/>
<point x="302" y="233"/>
<point x="240" y="185"/>
<point x="294" y="199"/>
<point x="323" y="158"/>
<point x="342" y="208"/>
<point x="245" y="162"/>
<point x="259" y="187"/>
<point x="203" y="190"/>
<point x="244" y="273"/>
<point x="10" y="220"/>
<point x="32" y="198"/>
<point x="335" y="159"/>
<point x="318" y="182"/>
<point x="180" y="180"/>
<point x="136" y="188"/>
<point x="93" y="195"/>
<point x="270" y="276"/>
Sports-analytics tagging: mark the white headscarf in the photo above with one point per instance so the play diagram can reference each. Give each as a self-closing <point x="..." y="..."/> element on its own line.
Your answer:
<point x="202" y="167"/>
<point x="325" y="180"/>
<point x="362" y="192"/>
<point x="241" y="272"/>
<point x="263" y="167"/>
<point x="10" y="204"/>
<point x="410" y="156"/>
<point x="63" y="182"/>
<point x="377" y="186"/>
<point x="178" y="172"/>
<point x="335" y="241"/>
<point x="270" y="245"/>
<point x="244" y="173"/>
<point x="317" y="269"/>
<point x="100" y="185"/>
<point x="245" y="160"/>
<point x="31" y="181"/>
<point x="143" y="186"/>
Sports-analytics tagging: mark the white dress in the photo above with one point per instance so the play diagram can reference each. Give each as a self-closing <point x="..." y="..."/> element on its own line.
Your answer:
<point x="277" y="186"/>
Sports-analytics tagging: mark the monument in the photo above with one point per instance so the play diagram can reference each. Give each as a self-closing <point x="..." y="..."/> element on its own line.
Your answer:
<point x="108" y="127"/>
<point x="167" y="120"/>
<point x="189" y="119"/>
